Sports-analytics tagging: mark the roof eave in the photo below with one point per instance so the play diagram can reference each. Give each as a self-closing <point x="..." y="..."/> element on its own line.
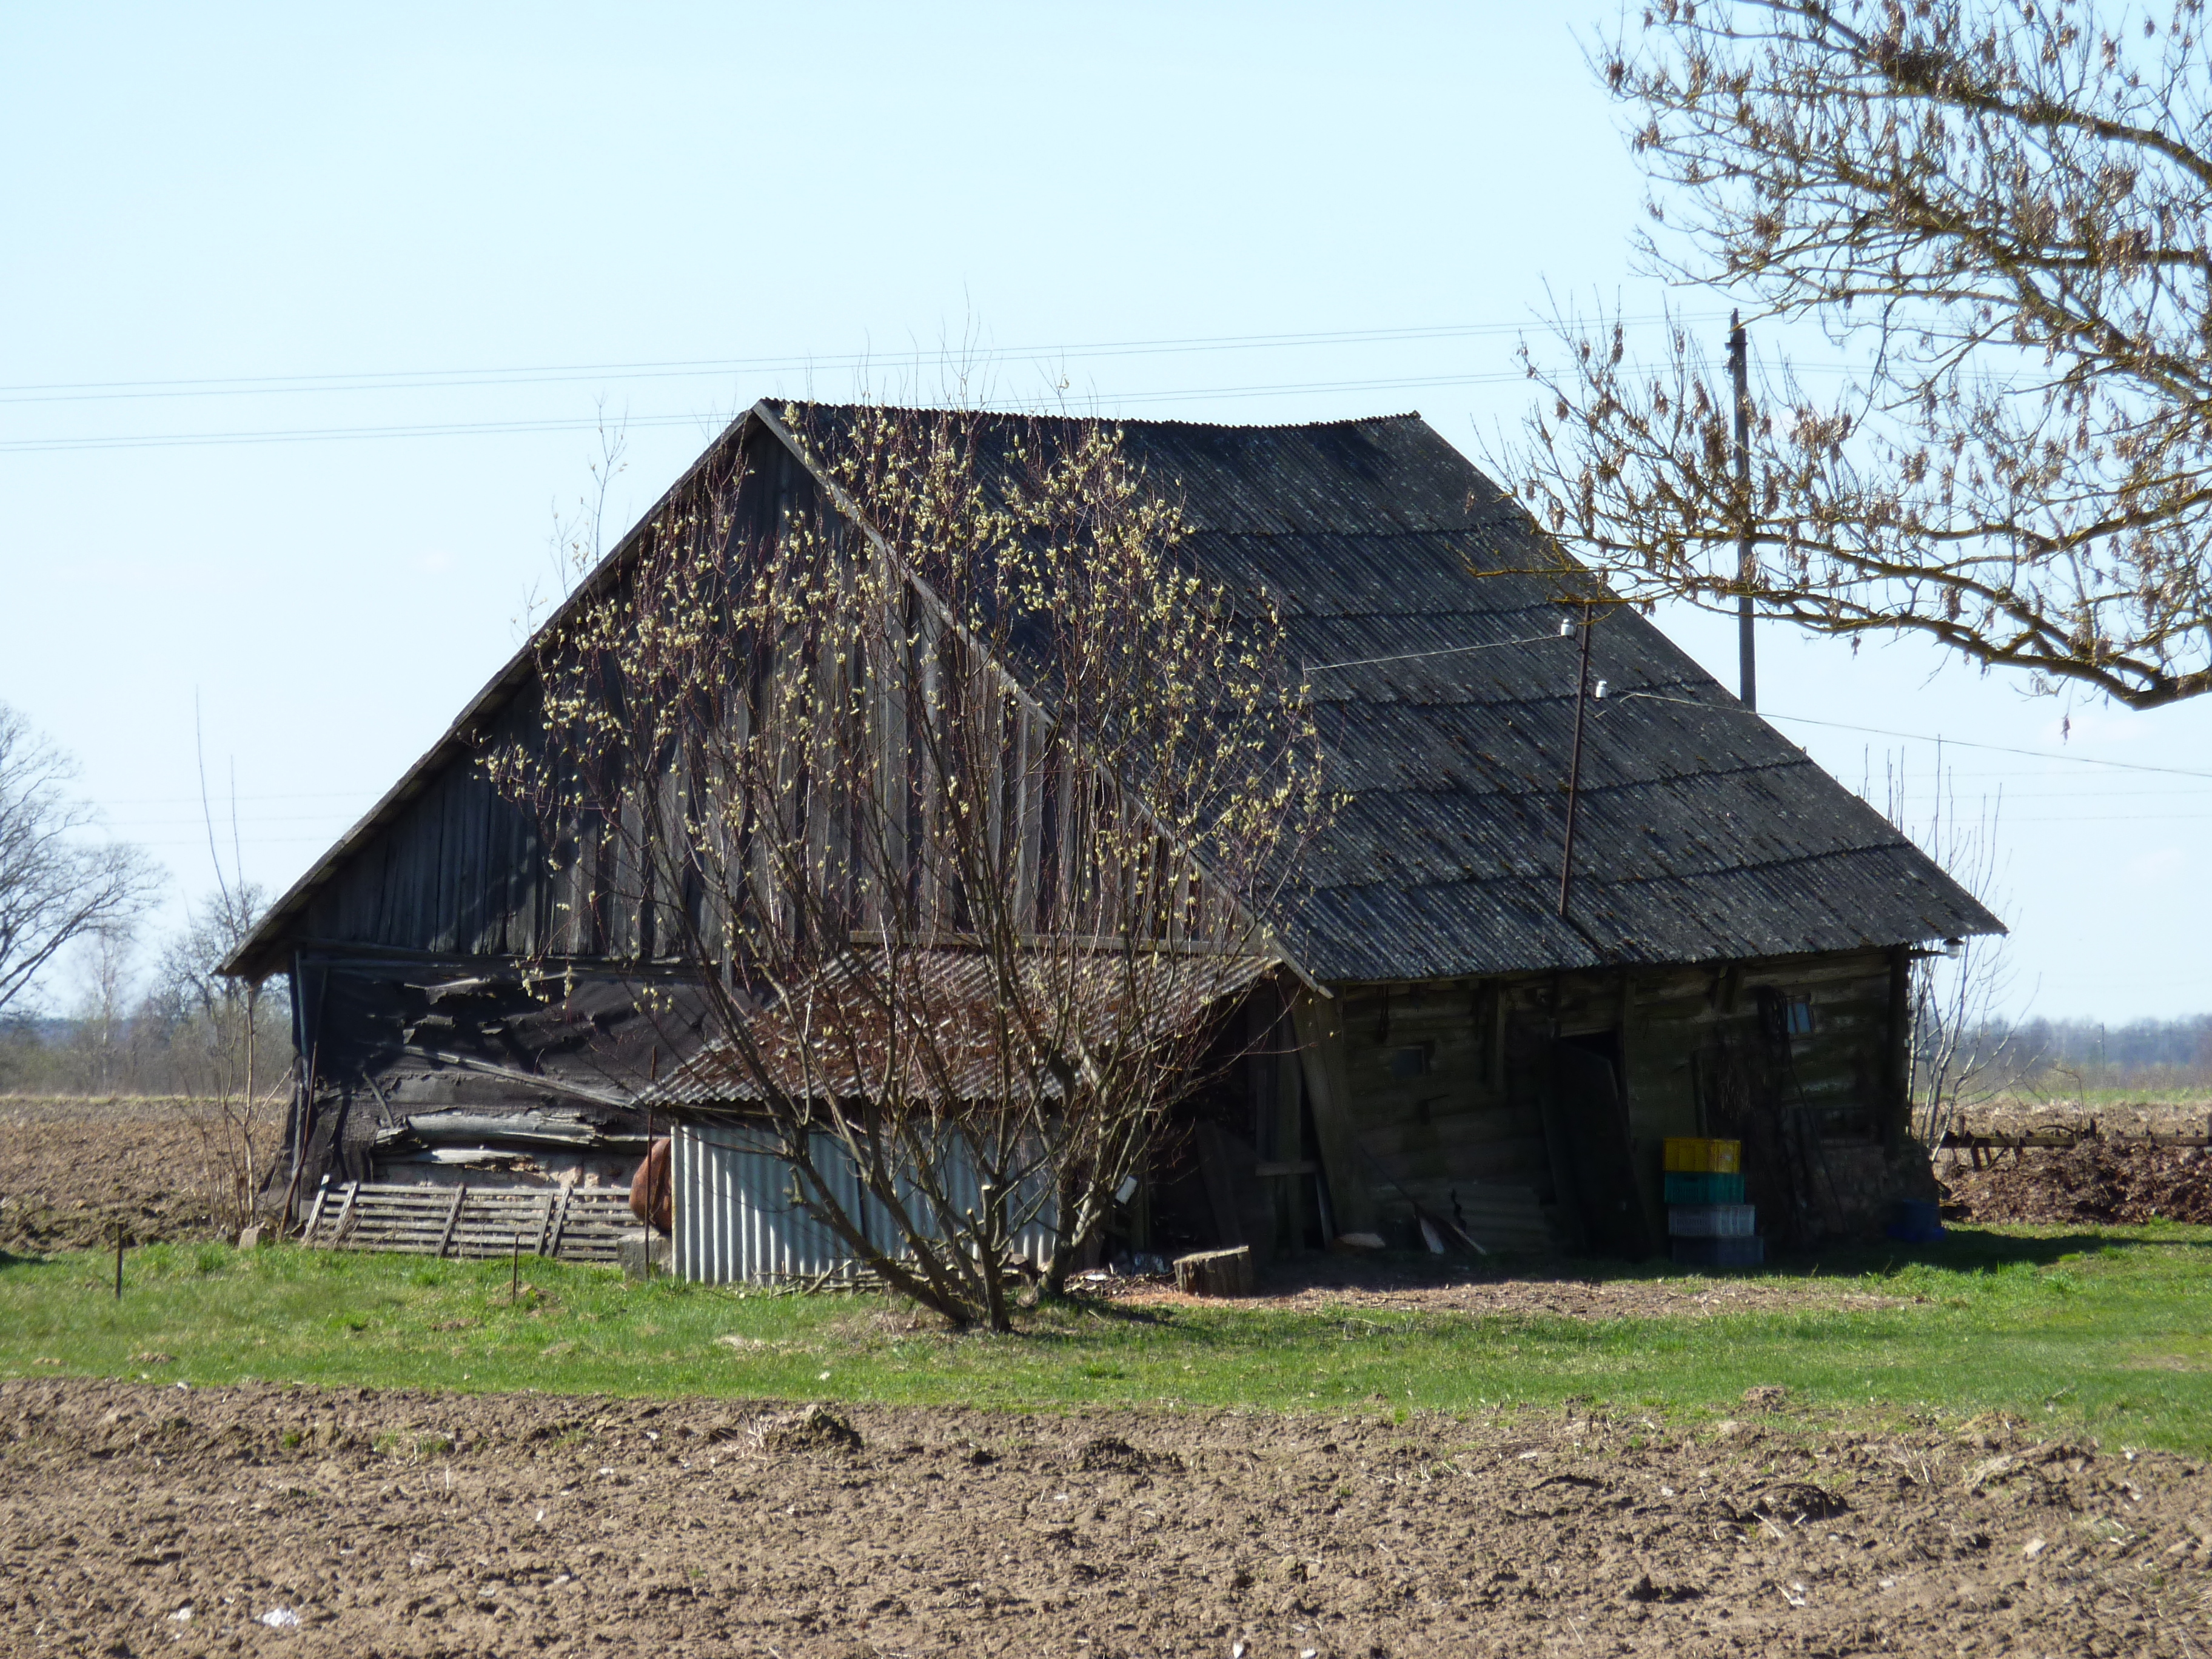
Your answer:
<point x="261" y="952"/>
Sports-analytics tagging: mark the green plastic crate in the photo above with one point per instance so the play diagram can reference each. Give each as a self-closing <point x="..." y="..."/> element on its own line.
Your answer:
<point x="1701" y="1187"/>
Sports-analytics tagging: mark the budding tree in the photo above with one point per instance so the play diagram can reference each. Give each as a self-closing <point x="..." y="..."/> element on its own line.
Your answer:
<point x="963" y="799"/>
<point x="2004" y="209"/>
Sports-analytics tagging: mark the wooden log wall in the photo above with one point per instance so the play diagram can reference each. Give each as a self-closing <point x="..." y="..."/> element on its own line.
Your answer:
<point x="1450" y="1083"/>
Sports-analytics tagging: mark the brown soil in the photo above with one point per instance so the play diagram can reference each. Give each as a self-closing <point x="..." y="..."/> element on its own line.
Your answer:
<point x="2012" y="1116"/>
<point x="402" y="1524"/>
<point x="71" y="1168"/>
<point x="1357" y="1281"/>
<point x="2096" y="1181"/>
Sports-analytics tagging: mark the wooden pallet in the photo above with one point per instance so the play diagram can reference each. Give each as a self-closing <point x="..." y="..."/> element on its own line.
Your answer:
<point x="574" y="1223"/>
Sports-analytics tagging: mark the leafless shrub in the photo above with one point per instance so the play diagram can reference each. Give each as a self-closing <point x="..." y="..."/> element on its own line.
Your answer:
<point x="237" y="1135"/>
<point x="1965" y="1047"/>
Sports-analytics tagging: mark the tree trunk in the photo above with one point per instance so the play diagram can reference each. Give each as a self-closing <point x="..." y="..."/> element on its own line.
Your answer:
<point x="1215" y="1273"/>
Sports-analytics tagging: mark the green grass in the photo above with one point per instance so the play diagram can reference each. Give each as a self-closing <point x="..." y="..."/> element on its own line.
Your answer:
<point x="2105" y="1330"/>
<point x="2102" y="1097"/>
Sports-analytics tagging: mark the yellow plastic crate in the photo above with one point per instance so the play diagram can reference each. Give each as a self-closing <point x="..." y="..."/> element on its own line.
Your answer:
<point x="1699" y="1157"/>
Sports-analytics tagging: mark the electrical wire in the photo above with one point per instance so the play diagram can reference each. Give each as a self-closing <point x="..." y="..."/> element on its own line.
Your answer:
<point x="1914" y="737"/>
<point x="555" y="373"/>
<point x="635" y="422"/>
<point x="1446" y="651"/>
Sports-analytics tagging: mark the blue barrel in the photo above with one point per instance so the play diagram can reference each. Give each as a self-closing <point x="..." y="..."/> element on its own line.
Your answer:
<point x="1917" y="1222"/>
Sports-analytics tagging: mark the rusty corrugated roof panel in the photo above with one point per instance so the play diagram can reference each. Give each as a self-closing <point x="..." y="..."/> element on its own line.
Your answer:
<point x="833" y="1037"/>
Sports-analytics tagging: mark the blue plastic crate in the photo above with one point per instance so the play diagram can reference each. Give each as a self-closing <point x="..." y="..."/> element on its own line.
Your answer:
<point x="1712" y="1220"/>
<point x="1720" y="1252"/>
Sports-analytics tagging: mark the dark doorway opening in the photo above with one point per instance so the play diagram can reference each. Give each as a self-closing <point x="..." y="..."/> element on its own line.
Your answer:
<point x="1589" y="1122"/>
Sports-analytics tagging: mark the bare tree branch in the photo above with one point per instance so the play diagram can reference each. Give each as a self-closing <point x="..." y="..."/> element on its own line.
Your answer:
<point x="2010" y="208"/>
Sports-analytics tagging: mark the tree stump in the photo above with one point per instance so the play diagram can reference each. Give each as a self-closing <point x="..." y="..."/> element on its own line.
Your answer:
<point x="1215" y="1273"/>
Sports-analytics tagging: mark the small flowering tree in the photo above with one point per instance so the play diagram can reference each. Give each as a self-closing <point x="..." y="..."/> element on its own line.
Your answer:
<point x="964" y="799"/>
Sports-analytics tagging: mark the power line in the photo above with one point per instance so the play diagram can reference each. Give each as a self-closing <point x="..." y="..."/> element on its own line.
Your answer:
<point x="508" y="428"/>
<point x="1446" y="651"/>
<point x="194" y="801"/>
<point x="555" y="374"/>
<point x="1913" y="737"/>
<point x="1995" y="748"/>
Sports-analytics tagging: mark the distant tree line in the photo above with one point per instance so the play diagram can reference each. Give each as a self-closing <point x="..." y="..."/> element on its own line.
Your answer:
<point x="2062" y="1056"/>
<point x="72" y="901"/>
<point x="182" y="1029"/>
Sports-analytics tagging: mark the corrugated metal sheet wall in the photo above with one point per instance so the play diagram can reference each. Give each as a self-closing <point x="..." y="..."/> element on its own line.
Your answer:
<point x="736" y="1220"/>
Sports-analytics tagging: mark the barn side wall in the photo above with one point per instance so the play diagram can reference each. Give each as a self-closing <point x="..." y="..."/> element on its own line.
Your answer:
<point x="1453" y="1089"/>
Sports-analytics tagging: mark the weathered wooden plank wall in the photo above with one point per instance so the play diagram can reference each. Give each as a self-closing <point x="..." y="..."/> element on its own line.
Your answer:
<point x="1450" y="1083"/>
<point x="462" y="869"/>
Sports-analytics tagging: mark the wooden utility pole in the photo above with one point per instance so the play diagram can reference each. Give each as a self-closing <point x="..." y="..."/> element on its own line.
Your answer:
<point x="1747" y="556"/>
<point x="1575" y="767"/>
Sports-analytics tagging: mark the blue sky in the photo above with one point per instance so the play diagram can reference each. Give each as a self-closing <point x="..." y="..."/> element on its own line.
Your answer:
<point x="448" y="239"/>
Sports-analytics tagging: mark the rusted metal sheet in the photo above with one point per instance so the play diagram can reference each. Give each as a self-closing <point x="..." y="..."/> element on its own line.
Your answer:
<point x="832" y="1038"/>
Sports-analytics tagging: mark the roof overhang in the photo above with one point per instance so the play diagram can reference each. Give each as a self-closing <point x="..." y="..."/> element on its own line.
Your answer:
<point x="267" y="949"/>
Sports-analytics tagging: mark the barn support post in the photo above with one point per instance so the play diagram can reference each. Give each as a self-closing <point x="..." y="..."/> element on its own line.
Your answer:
<point x="1897" y="1081"/>
<point x="1320" y="1051"/>
<point x="295" y="1141"/>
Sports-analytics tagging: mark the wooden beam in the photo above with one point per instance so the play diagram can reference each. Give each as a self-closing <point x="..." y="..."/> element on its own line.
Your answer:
<point x="1220" y="1185"/>
<point x="545" y="1219"/>
<point x="345" y="1211"/>
<point x="453" y="1219"/>
<point x="1897" y="1042"/>
<point x="1320" y="1052"/>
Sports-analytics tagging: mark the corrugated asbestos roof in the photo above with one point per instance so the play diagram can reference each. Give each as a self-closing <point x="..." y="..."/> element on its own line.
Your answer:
<point x="1702" y="833"/>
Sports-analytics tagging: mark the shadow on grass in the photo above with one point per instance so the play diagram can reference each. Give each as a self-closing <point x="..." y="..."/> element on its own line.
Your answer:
<point x="1966" y="1248"/>
<point x="1969" y="1249"/>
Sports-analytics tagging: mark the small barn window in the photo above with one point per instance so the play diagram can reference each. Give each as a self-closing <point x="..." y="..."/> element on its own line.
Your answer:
<point x="1409" y="1061"/>
<point x="1784" y="1016"/>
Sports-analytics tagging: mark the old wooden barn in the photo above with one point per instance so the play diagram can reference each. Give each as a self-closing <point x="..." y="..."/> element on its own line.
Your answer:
<point x="1732" y="958"/>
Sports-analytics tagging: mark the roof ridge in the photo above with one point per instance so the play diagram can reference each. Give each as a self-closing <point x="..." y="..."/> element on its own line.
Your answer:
<point x="1102" y="420"/>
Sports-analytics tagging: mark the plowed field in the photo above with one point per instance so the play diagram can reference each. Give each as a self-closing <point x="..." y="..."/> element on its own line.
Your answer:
<point x="72" y="1171"/>
<point x="144" y="1519"/>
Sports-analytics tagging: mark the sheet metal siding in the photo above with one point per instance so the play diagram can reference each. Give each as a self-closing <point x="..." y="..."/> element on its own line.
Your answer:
<point x="735" y="1221"/>
<point x="734" y="1217"/>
